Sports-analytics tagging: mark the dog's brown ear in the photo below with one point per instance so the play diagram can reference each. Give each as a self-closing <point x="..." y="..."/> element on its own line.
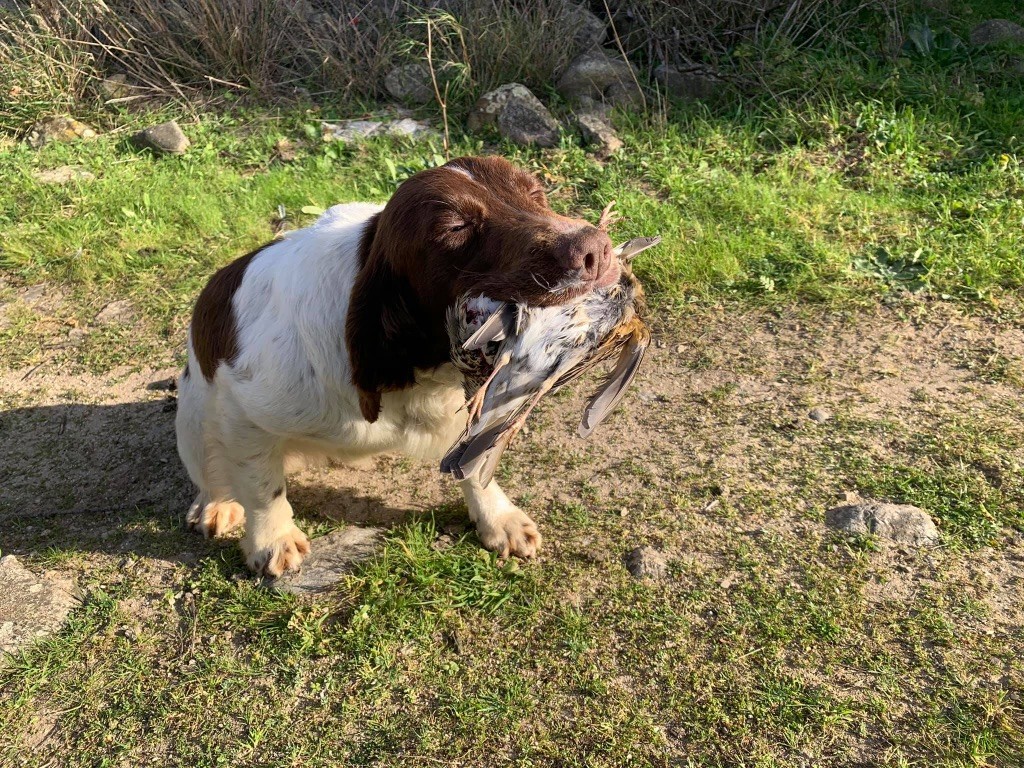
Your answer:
<point x="382" y="332"/>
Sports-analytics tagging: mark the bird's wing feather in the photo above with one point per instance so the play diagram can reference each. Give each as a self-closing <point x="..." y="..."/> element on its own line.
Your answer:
<point x="494" y="328"/>
<point x="615" y="385"/>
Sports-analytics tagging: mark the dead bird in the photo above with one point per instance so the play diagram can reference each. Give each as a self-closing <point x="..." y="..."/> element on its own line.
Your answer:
<point x="512" y="355"/>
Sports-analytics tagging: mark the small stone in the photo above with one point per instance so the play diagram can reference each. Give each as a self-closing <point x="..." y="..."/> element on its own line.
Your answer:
<point x="167" y="138"/>
<point x="691" y="85"/>
<point x="115" y="313"/>
<point x="598" y="132"/>
<point x="598" y="76"/>
<point x="116" y="87"/>
<point x="350" y="130"/>
<point x="409" y="127"/>
<point x="680" y="349"/>
<point x="332" y="556"/>
<point x="995" y="31"/>
<point x="410" y="83"/>
<point x="900" y="523"/>
<point x="77" y="336"/>
<point x="819" y="414"/>
<point x="646" y="563"/>
<point x="285" y="150"/>
<point x="30" y="606"/>
<point x="525" y="123"/>
<point x="64" y="174"/>
<point x="58" y="129"/>
<point x="442" y="542"/>
<point x="454" y="529"/>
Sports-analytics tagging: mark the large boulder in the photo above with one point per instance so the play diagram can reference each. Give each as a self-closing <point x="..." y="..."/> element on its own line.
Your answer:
<point x="587" y="30"/>
<point x="996" y="31"/>
<point x="518" y="115"/>
<point x="596" y="75"/>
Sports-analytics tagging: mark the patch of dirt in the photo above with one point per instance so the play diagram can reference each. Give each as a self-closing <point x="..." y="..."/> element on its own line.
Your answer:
<point x="713" y="441"/>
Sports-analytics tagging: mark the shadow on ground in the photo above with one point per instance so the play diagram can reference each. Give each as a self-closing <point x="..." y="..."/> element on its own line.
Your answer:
<point x="107" y="478"/>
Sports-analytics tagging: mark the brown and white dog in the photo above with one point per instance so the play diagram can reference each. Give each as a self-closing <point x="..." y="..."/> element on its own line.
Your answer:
<point x="331" y="343"/>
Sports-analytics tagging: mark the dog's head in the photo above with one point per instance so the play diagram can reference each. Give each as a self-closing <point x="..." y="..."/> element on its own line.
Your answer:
<point x="475" y="224"/>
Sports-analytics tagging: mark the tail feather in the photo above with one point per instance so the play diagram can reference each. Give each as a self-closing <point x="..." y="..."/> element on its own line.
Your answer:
<point x="615" y="385"/>
<point x="478" y="456"/>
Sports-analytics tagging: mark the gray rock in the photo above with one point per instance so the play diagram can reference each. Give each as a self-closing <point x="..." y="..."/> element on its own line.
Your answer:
<point x="166" y="138"/>
<point x="692" y="85"/>
<point x="331" y="558"/>
<point x="350" y="130"/>
<point x="115" y="313"/>
<point x="599" y="133"/>
<point x="528" y="123"/>
<point x="116" y="87"/>
<point x="30" y="606"/>
<point x="996" y="31"/>
<point x="588" y="31"/>
<point x="819" y="414"/>
<point x="646" y="563"/>
<point x="901" y="523"/>
<point x="598" y="76"/>
<point x="77" y="336"/>
<point x="410" y="83"/>
<point x="409" y="127"/>
<point x="64" y="174"/>
<point x="58" y="129"/>
<point x="585" y="104"/>
<point x="489" y="107"/>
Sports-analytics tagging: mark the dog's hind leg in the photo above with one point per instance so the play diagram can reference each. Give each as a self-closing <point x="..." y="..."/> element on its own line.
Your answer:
<point x="214" y="512"/>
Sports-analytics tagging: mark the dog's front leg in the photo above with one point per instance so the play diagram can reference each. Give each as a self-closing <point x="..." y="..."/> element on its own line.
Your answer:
<point x="500" y="524"/>
<point x="272" y="543"/>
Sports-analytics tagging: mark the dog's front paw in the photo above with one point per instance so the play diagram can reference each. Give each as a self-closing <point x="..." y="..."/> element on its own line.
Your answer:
<point x="510" y="532"/>
<point x="214" y="519"/>
<point x="276" y="554"/>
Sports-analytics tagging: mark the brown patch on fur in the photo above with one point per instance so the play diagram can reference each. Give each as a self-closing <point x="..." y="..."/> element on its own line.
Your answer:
<point x="214" y="335"/>
<point x="476" y="224"/>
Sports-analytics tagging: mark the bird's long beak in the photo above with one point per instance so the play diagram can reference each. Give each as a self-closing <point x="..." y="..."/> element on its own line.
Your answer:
<point x="629" y="249"/>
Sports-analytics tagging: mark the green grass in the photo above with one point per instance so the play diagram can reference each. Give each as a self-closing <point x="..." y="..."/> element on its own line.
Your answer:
<point x="428" y="656"/>
<point x="839" y="203"/>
